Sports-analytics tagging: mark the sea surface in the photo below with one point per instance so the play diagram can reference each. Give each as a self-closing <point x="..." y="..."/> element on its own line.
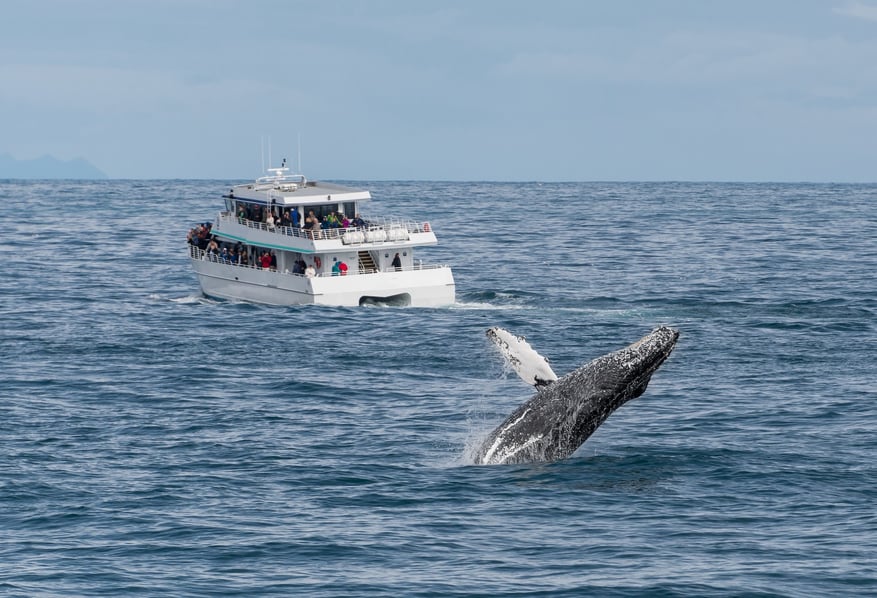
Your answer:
<point x="154" y="442"/>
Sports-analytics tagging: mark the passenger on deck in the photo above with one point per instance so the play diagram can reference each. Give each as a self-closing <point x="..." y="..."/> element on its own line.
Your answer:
<point x="298" y="267"/>
<point x="203" y="236"/>
<point x="212" y="247"/>
<point x="310" y="272"/>
<point x="296" y="219"/>
<point x="273" y="261"/>
<point x="345" y="223"/>
<point x="223" y="255"/>
<point x="358" y="222"/>
<point x="285" y="219"/>
<point x="312" y="224"/>
<point x="265" y="261"/>
<point x="269" y="221"/>
<point x="397" y="263"/>
<point x="243" y="258"/>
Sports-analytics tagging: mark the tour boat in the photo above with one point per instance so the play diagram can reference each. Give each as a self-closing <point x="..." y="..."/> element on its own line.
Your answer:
<point x="286" y="240"/>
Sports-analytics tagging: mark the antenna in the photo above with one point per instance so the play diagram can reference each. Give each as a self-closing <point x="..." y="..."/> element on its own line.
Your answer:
<point x="262" y="147"/>
<point x="299" y="153"/>
<point x="269" y="150"/>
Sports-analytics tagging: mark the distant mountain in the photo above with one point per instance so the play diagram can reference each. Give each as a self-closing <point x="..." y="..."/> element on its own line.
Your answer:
<point x="48" y="167"/>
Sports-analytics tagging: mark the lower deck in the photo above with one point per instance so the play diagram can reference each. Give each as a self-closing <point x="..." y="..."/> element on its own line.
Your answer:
<point x="363" y="282"/>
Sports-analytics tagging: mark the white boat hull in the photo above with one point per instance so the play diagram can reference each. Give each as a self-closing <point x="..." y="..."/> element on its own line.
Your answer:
<point x="427" y="287"/>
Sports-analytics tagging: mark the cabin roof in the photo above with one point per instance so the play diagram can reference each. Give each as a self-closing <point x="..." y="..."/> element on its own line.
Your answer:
<point x="292" y="191"/>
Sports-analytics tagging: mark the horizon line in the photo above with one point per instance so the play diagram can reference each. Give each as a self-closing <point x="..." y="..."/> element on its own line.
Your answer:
<point x="501" y="181"/>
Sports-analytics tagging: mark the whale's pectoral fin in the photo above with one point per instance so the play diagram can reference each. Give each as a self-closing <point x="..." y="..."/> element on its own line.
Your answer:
<point x="527" y="363"/>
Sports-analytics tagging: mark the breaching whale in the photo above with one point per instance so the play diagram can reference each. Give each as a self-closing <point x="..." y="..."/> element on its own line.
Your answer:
<point x="566" y="411"/>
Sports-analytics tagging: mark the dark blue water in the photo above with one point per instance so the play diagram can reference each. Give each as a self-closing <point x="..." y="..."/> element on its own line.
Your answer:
<point x="158" y="443"/>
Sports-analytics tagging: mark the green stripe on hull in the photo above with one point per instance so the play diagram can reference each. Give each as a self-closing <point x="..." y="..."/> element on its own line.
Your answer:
<point x="268" y="245"/>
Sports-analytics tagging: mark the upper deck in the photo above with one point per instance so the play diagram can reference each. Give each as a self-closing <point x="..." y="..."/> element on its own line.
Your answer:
<point x="291" y="213"/>
<point x="378" y="232"/>
<point x="284" y="190"/>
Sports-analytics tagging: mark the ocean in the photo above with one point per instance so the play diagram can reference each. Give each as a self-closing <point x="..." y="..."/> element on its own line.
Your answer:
<point x="159" y="443"/>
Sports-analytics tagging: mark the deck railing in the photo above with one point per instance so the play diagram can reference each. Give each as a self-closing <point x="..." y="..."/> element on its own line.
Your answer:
<point x="376" y="230"/>
<point x="196" y="253"/>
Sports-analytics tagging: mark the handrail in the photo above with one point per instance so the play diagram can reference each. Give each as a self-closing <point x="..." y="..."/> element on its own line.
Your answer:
<point x="289" y="231"/>
<point x="196" y="253"/>
<point x="393" y="226"/>
<point x="281" y="176"/>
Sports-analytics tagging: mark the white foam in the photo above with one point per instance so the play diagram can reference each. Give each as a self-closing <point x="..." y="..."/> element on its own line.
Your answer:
<point x="481" y="305"/>
<point x="187" y="300"/>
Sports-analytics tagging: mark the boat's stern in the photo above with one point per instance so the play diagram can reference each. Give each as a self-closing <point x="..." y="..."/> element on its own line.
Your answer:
<point x="427" y="287"/>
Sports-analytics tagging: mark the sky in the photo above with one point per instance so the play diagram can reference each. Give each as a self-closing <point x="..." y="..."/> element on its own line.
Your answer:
<point x="499" y="90"/>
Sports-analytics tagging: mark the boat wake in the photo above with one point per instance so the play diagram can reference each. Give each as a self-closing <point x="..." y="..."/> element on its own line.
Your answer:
<point x="187" y="300"/>
<point x="480" y="305"/>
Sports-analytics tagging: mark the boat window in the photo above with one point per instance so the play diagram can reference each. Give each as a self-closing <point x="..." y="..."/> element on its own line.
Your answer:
<point x="323" y="210"/>
<point x="349" y="209"/>
<point x="251" y="210"/>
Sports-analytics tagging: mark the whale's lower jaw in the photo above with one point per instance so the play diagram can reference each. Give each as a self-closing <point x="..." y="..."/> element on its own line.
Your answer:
<point x="524" y="451"/>
<point x="556" y="422"/>
<point x="512" y="444"/>
<point x="535" y="449"/>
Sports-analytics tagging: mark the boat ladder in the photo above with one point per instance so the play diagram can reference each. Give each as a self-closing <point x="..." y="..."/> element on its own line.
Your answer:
<point x="366" y="263"/>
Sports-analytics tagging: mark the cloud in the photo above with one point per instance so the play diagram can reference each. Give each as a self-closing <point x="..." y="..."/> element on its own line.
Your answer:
<point x="105" y="91"/>
<point x="729" y="62"/>
<point x="858" y="10"/>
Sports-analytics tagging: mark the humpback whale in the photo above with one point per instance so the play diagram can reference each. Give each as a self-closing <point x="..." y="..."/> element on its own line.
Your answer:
<point x="565" y="411"/>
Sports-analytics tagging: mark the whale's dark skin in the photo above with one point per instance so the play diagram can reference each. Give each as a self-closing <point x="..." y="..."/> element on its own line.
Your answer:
<point x="553" y="424"/>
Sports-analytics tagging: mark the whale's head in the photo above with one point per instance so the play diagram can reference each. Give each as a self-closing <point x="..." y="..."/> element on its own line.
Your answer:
<point x="592" y="392"/>
<point x="617" y="377"/>
<point x="627" y="372"/>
